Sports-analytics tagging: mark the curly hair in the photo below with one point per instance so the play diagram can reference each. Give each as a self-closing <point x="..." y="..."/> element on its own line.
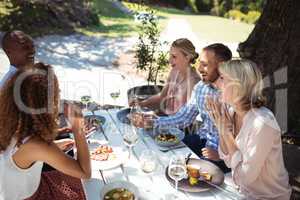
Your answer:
<point x="29" y="105"/>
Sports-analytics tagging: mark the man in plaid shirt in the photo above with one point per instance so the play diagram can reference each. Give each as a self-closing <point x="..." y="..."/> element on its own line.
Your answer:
<point x="205" y="141"/>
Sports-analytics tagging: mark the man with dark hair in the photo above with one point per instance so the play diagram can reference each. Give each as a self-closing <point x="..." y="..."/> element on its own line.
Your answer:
<point x="20" y="50"/>
<point x="205" y="141"/>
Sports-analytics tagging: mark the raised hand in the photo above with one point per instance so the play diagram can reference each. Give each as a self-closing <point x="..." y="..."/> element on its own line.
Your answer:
<point x="210" y="153"/>
<point x="220" y="115"/>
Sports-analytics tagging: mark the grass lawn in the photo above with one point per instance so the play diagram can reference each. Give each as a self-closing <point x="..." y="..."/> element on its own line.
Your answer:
<point x="114" y="23"/>
<point x="209" y="28"/>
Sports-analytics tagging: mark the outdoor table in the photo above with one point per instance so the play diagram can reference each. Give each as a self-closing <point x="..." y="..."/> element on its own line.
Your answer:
<point x="153" y="186"/>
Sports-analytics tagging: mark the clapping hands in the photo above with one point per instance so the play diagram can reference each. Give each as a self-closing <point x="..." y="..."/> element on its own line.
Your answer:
<point x="220" y="115"/>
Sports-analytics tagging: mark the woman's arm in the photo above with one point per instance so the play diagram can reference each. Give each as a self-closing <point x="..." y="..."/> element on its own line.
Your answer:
<point x="53" y="156"/>
<point x="154" y="101"/>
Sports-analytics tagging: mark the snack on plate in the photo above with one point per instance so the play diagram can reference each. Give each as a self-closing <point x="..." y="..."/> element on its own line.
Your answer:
<point x="206" y="176"/>
<point x="119" y="194"/>
<point x="193" y="174"/>
<point x="102" y="153"/>
<point x="166" y="137"/>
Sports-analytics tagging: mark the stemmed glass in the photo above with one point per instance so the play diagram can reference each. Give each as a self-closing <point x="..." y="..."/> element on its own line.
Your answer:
<point x="115" y="95"/>
<point x="177" y="170"/>
<point x="130" y="138"/>
<point x="85" y="100"/>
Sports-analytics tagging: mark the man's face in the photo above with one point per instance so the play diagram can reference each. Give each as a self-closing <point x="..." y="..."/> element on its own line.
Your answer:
<point x="208" y="66"/>
<point x="21" y="50"/>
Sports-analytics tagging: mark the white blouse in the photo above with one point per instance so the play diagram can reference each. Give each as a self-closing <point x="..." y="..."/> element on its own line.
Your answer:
<point x="17" y="183"/>
<point x="258" y="167"/>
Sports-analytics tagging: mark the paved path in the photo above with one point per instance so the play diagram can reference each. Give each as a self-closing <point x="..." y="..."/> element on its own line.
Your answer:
<point x="84" y="66"/>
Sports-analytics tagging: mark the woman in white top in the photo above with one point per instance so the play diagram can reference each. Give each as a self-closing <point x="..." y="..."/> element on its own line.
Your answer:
<point x="250" y="138"/>
<point x="28" y="113"/>
<point x="181" y="79"/>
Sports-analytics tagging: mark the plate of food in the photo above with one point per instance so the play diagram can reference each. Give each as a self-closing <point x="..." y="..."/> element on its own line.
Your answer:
<point x="94" y="120"/>
<point x="199" y="172"/>
<point x="104" y="156"/>
<point x="121" y="190"/>
<point x="169" y="137"/>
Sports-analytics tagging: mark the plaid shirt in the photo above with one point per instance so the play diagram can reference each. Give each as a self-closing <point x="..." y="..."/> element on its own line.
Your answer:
<point x="188" y="113"/>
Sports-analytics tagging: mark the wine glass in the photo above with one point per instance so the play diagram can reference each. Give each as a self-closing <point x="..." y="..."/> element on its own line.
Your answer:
<point x="177" y="170"/>
<point x="85" y="100"/>
<point x="115" y="95"/>
<point x="130" y="138"/>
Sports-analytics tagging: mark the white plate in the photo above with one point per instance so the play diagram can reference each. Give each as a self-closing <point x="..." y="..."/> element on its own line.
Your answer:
<point x="121" y="156"/>
<point x="121" y="184"/>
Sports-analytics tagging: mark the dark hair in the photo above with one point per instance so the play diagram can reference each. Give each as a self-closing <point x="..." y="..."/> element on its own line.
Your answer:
<point x="221" y="51"/>
<point x="5" y="39"/>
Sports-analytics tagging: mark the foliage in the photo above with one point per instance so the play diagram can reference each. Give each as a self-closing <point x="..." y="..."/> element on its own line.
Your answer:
<point x="113" y="21"/>
<point x="38" y="17"/>
<point x="217" y="7"/>
<point x="149" y="52"/>
<point x="251" y="17"/>
<point x="204" y="5"/>
<point x="192" y="5"/>
<point x="235" y="15"/>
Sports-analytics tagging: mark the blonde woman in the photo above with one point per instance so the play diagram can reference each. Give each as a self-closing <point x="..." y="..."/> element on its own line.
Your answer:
<point x="28" y="113"/>
<point x="181" y="79"/>
<point x="250" y="138"/>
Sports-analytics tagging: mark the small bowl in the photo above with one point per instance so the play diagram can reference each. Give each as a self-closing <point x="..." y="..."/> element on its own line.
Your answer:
<point x="120" y="184"/>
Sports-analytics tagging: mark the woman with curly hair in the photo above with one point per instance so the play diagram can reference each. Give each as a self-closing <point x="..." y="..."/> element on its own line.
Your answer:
<point x="28" y="127"/>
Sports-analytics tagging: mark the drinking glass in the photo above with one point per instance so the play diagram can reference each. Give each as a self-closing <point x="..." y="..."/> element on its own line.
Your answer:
<point x="177" y="170"/>
<point x="130" y="138"/>
<point x="148" y="161"/>
<point x="114" y="95"/>
<point x="85" y="100"/>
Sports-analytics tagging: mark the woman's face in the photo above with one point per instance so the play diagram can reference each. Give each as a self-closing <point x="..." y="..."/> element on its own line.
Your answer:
<point x="228" y="88"/>
<point x="177" y="59"/>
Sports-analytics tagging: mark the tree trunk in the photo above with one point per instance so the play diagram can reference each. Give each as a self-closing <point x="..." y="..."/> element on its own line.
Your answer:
<point x="275" y="45"/>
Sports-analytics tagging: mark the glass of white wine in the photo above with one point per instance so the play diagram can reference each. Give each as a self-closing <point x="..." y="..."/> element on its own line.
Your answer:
<point x="85" y="100"/>
<point x="115" y="95"/>
<point x="130" y="138"/>
<point x="177" y="170"/>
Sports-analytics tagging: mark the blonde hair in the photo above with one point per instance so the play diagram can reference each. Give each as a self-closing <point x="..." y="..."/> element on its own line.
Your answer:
<point x="17" y="122"/>
<point x="248" y="77"/>
<point x="187" y="48"/>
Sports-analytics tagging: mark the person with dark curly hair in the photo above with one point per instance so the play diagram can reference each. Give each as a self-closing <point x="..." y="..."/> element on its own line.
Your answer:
<point x="180" y="82"/>
<point x="28" y="126"/>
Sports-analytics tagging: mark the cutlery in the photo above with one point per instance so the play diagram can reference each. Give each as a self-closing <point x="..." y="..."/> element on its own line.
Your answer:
<point x="188" y="158"/>
<point x="172" y="148"/>
<point x="104" y="180"/>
